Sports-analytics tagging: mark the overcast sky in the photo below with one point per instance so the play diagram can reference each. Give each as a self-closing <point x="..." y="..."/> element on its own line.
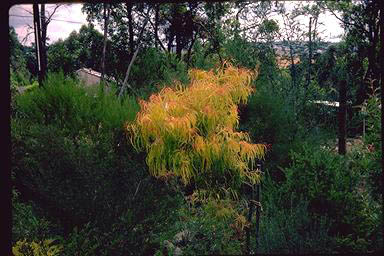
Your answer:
<point x="69" y="17"/>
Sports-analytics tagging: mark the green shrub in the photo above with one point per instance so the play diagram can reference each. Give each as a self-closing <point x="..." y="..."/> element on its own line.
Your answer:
<point x="279" y="114"/>
<point x="83" y="165"/>
<point x="27" y="223"/>
<point x="373" y="140"/>
<point x="64" y="103"/>
<point x="69" y="148"/>
<point x="214" y="228"/>
<point x="18" y="78"/>
<point x="160" y="70"/>
<point x="317" y="114"/>
<point x="61" y="101"/>
<point x="85" y="241"/>
<point x="289" y="229"/>
<point x="268" y="119"/>
<point x="330" y="183"/>
<point x="132" y="229"/>
<point x="199" y="60"/>
<point x="241" y="53"/>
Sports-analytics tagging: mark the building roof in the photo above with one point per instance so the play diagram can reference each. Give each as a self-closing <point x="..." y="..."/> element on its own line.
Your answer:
<point x="95" y="73"/>
<point x="327" y="103"/>
<point x="90" y="71"/>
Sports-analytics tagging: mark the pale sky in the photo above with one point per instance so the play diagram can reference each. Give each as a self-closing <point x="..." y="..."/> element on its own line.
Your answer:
<point x="69" y="17"/>
<point x="328" y="26"/>
<point x="66" y="19"/>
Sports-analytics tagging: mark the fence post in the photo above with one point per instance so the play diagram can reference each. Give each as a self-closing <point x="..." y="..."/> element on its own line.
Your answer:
<point x="258" y="206"/>
<point x="254" y="200"/>
<point x="250" y="213"/>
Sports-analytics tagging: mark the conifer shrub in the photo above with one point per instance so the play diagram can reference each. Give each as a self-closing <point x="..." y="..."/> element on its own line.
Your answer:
<point x="190" y="133"/>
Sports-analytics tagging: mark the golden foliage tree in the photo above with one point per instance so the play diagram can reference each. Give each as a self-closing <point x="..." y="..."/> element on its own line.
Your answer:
<point x="190" y="132"/>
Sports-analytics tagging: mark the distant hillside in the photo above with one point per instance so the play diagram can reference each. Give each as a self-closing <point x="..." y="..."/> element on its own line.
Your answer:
<point x="299" y="47"/>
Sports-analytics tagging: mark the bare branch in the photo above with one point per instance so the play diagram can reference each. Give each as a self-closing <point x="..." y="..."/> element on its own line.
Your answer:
<point x="30" y="12"/>
<point x="346" y="22"/>
<point x="157" y="37"/>
<point x="125" y="83"/>
<point x="25" y="39"/>
<point x="48" y="20"/>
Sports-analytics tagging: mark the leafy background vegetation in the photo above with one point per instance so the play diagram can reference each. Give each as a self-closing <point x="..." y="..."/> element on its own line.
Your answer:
<point x="82" y="188"/>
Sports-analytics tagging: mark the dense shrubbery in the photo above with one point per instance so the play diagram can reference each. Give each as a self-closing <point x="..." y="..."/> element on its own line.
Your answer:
<point x="160" y="70"/>
<point x="216" y="227"/>
<point x="28" y="223"/>
<point x="334" y="188"/>
<point x="313" y="199"/>
<point x="371" y="110"/>
<point x="290" y="228"/>
<point x="69" y="155"/>
<point x="241" y="53"/>
<point x="269" y="120"/>
<point x="199" y="60"/>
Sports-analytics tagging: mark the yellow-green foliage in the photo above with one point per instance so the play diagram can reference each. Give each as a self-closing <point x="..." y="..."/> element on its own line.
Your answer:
<point x="190" y="132"/>
<point x="42" y="248"/>
<point x="220" y="209"/>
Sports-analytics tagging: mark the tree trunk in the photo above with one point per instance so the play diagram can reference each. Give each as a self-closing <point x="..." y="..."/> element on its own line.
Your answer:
<point x="342" y="116"/>
<point x="39" y="45"/>
<point x="106" y="18"/>
<point x="156" y="25"/>
<point x="309" y="55"/>
<point x="130" y="29"/>
<point x="125" y="82"/>
<point x="44" y="27"/>
<point x="190" y="49"/>
<point x="156" y="29"/>
<point x="179" y="46"/>
<point x="170" y="41"/>
<point x="258" y="199"/>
